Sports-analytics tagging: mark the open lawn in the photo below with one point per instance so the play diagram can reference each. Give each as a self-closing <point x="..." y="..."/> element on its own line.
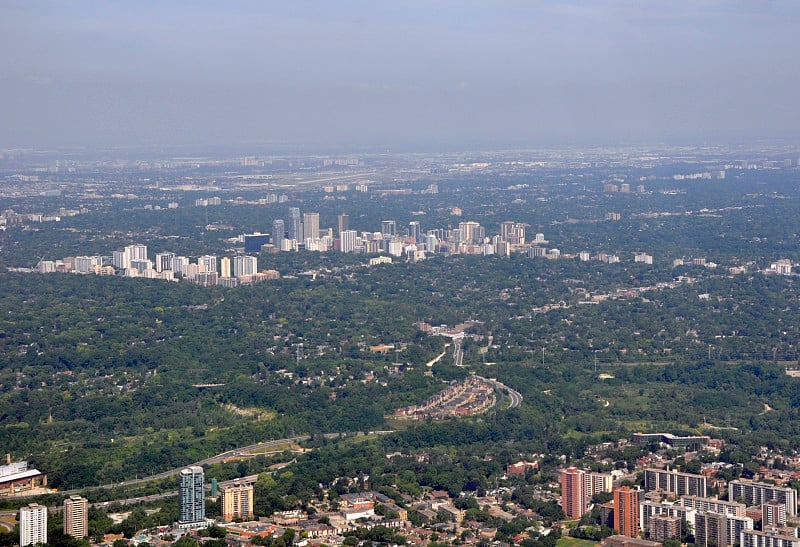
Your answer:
<point x="574" y="542"/>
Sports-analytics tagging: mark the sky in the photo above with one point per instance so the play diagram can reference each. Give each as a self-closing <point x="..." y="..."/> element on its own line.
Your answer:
<point x="396" y="74"/>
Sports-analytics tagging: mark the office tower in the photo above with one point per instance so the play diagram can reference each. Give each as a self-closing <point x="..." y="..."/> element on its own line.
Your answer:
<point x="295" y="224"/>
<point x="278" y="233"/>
<point x="76" y="517"/>
<point x="245" y="265"/>
<point x="573" y="492"/>
<point x="164" y="261"/>
<point x="344" y="223"/>
<point x="756" y="493"/>
<point x="225" y="267"/>
<point x="254" y="242"/>
<point x="680" y="484"/>
<point x="388" y="228"/>
<point x="207" y="263"/>
<point x="310" y="226"/>
<point x="347" y="241"/>
<point x="414" y="231"/>
<point x="236" y="501"/>
<point x="191" y="495"/>
<point x="32" y="524"/>
<point x="626" y="511"/>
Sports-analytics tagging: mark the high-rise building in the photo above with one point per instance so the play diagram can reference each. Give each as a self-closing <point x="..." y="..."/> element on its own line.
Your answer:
<point x="680" y="484"/>
<point x="347" y="241"/>
<point x="773" y="513"/>
<point x="714" y="505"/>
<point x="245" y="265"/>
<point x="191" y="496"/>
<point x="471" y="232"/>
<point x="431" y="242"/>
<point x="76" y="517"/>
<point x="278" y="233"/>
<point x="626" y="511"/>
<point x="414" y="231"/>
<point x="295" y="224"/>
<point x="32" y="524"/>
<point x="756" y="493"/>
<point x="118" y="260"/>
<point x="710" y="529"/>
<point x="224" y="267"/>
<point x="236" y="501"/>
<point x="310" y="226"/>
<point x="207" y="263"/>
<point x="254" y="242"/>
<point x="512" y="232"/>
<point x="179" y="264"/>
<point x="767" y="538"/>
<point x="388" y="228"/>
<point x="164" y="261"/>
<point x="573" y="492"/>
<point x="663" y="527"/>
<point x="718" y="529"/>
<point x="650" y="509"/>
<point x="136" y="252"/>
<point x="344" y="223"/>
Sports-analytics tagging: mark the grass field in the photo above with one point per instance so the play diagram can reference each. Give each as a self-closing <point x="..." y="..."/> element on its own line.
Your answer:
<point x="574" y="542"/>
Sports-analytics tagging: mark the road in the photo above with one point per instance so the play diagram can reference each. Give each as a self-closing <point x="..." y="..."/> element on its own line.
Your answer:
<point x="514" y="395"/>
<point x="236" y="453"/>
<point x="219" y="458"/>
<point x="458" y="352"/>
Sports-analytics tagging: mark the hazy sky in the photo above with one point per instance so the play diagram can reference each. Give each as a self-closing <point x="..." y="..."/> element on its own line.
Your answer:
<point x="416" y="74"/>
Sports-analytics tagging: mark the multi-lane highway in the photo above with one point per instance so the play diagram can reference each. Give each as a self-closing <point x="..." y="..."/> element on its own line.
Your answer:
<point x="514" y="395"/>
<point x="243" y="452"/>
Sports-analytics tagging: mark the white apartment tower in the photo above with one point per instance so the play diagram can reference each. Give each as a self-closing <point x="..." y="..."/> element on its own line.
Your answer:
<point x="32" y="524"/>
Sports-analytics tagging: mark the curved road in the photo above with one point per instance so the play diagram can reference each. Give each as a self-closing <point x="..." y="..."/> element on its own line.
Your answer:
<point x="514" y="395"/>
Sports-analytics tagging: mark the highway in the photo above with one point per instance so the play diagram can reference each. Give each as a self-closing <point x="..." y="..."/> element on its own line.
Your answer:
<point x="514" y="395"/>
<point x="245" y="451"/>
<point x="237" y="453"/>
<point x="458" y="351"/>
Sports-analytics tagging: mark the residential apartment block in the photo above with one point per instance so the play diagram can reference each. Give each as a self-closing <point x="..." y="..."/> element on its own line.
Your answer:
<point x="76" y="517"/>
<point x="768" y="538"/>
<point x="673" y="482"/>
<point x="236" y="501"/>
<point x="757" y="493"/>
<point x="32" y="524"/>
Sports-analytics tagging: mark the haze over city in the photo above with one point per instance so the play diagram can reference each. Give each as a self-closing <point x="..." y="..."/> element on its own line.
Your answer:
<point x="399" y="75"/>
